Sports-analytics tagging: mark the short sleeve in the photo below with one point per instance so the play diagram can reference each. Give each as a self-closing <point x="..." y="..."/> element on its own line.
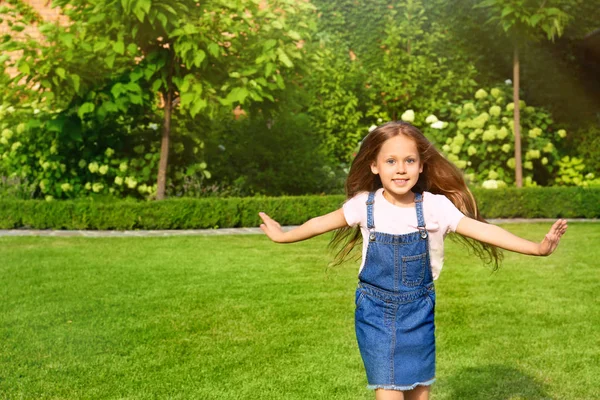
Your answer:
<point x="355" y="209"/>
<point x="449" y="213"/>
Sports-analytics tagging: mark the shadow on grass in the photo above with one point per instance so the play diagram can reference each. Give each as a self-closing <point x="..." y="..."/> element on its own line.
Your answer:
<point x="495" y="382"/>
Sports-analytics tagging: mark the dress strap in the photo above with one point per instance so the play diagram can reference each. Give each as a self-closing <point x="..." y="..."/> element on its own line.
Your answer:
<point x="420" y="218"/>
<point x="370" y="220"/>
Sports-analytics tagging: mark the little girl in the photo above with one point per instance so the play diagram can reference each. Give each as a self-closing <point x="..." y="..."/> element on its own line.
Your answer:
<point x="403" y="198"/>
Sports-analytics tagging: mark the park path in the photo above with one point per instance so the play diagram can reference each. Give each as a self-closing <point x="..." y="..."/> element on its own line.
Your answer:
<point x="206" y="232"/>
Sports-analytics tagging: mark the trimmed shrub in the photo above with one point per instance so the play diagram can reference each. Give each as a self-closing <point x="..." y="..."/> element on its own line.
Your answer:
<point x="209" y="213"/>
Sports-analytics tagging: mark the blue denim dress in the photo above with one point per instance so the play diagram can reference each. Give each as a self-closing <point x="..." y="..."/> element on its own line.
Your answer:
<point x="395" y="303"/>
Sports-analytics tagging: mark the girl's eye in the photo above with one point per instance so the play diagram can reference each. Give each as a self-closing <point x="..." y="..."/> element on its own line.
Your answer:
<point x="390" y="161"/>
<point x="410" y="160"/>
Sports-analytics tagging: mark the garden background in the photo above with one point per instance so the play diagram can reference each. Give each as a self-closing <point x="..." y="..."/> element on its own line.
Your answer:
<point x="142" y="114"/>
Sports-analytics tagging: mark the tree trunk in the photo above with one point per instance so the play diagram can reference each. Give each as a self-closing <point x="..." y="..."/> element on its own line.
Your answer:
<point x="517" y="115"/>
<point x="164" y="147"/>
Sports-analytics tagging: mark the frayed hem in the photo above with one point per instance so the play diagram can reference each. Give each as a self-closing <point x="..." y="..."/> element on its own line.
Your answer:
<point x="402" y="388"/>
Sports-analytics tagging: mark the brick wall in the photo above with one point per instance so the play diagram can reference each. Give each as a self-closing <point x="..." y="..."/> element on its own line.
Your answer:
<point x="46" y="12"/>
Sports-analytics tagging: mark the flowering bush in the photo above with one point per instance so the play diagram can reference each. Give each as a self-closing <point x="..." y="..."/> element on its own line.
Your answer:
<point x="572" y="172"/>
<point x="62" y="157"/>
<point x="478" y="136"/>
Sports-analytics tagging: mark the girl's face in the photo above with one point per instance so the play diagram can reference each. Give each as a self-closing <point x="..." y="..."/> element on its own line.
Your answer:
<point x="398" y="165"/>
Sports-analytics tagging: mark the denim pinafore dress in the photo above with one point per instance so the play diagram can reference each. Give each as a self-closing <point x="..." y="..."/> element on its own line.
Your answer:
<point x="395" y="303"/>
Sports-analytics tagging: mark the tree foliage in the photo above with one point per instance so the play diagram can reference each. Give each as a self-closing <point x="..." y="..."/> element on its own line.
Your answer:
<point x="118" y="65"/>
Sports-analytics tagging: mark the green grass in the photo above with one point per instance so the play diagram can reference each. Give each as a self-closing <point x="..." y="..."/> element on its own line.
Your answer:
<point x="238" y="317"/>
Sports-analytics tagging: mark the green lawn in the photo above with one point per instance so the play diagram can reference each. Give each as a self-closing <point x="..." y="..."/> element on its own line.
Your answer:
<point x="238" y="317"/>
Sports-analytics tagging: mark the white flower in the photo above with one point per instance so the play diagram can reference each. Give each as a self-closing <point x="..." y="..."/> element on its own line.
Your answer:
<point x="508" y="82"/>
<point x="153" y="126"/>
<point x="481" y="94"/>
<point x="438" y="125"/>
<point x="372" y="128"/>
<point x="7" y="133"/>
<point x="130" y="182"/>
<point x="490" y="184"/>
<point x="431" y="119"/>
<point x="408" y="116"/>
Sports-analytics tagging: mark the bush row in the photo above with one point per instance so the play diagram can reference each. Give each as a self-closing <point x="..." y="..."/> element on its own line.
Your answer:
<point x="187" y="213"/>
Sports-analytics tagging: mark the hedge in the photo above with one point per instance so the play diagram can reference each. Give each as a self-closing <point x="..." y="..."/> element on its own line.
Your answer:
<point x="188" y="213"/>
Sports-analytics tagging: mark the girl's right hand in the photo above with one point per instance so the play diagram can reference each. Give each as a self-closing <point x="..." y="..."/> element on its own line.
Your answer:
<point x="271" y="228"/>
<point x="313" y="227"/>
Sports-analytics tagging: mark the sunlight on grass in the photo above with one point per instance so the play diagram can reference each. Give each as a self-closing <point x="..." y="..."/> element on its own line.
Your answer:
<point x="233" y="317"/>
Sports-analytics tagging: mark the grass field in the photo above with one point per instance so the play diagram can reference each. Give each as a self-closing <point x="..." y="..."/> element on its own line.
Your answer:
<point x="238" y="317"/>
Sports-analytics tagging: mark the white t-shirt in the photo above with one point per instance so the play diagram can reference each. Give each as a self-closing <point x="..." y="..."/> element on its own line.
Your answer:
<point x="441" y="217"/>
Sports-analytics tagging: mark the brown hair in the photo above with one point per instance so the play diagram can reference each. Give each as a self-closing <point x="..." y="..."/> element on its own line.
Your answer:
<point x="439" y="176"/>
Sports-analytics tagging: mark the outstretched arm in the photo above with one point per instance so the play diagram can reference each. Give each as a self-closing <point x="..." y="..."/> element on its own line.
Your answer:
<point x="499" y="237"/>
<point x="310" y="228"/>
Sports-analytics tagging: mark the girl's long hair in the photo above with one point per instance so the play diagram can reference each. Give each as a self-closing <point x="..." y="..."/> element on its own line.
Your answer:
<point x="439" y="176"/>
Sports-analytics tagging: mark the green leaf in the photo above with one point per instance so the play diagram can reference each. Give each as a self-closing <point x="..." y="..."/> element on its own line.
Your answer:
<point x="139" y="13"/>
<point x="76" y="82"/>
<point x="198" y="106"/>
<point x="119" y="47"/>
<point x="199" y="56"/>
<point x="117" y="89"/>
<point x="23" y="67"/>
<point x="187" y="98"/>
<point x="156" y="85"/>
<point x="66" y="39"/>
<point x="506" y="11"/>
<point x="55" y="125"/>
<point x="237" y="94"/>
<point x="270" y="67"/>
<point x="110" y="60"/>
<point x="60" y="72"/>
<point x="533" y="21"/>
<point x="294" y="35"/>
<point x="100" y="45"/>
<point x="213" y="49"/>
<point x="269" y="44"/>
<point x="84" y="109"/>
<point x="145" y="5"/>
<point x="284" y="58"/>
<point x="136" y="74"/>
<point x="126" y="5"/>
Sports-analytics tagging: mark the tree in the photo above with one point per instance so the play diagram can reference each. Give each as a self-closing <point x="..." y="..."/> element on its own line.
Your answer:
<point x="524" y="20"/>
<point x="190" y="56"/>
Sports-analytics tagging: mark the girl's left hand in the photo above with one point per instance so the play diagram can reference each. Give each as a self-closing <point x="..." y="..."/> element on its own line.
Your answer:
<point x="552" y="238"/>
